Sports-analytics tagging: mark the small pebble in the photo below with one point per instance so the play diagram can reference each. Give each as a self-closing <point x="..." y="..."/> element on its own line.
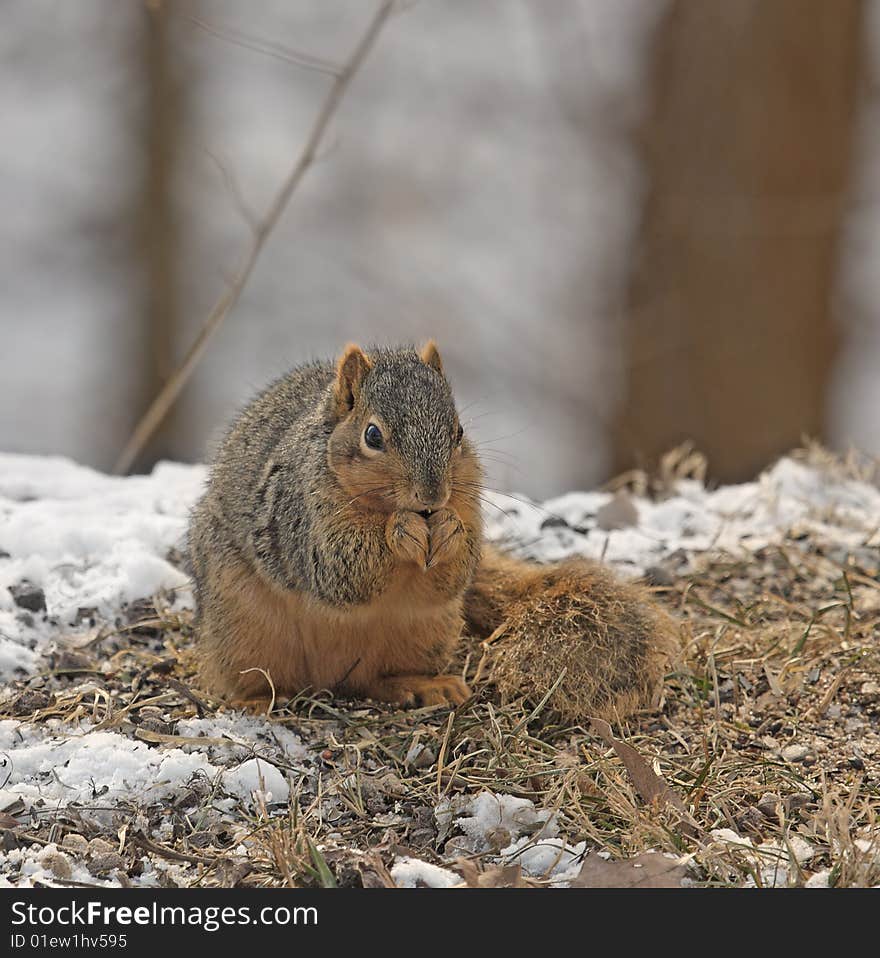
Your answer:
<point x="767" y="804"/>
<point x="98" y="847"/>
<point x="71" y="661"/>
<point x="28" y="596"/>
<point x="658" y="575"/>
<point x="554" y="522"/>
<point x="795" y="753"/>
<point x="57" y="863"/>
<point x="75" y="843"/>
<point x="103" y="864"/>
<point x="619" y="513"/>
<point x="151" y="711"/>
<point x="498" y="838"/>
<point x="425" y="758"/>
<point x="154" y="725"/>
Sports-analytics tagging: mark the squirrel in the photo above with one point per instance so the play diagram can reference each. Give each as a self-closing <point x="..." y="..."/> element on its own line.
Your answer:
<point x="339" y="543"/>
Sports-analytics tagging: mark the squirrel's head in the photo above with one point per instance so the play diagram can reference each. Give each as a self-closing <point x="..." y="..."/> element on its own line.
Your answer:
<point x="397" y="442"/>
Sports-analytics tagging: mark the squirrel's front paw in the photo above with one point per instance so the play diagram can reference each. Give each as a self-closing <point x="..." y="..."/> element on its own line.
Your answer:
<point x="407" y="536"/>
<point x="446" y="530"/>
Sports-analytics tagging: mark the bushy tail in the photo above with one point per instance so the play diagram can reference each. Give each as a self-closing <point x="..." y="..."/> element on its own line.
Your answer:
<point x="572" y="631"/>
<point x="500" y="580"/>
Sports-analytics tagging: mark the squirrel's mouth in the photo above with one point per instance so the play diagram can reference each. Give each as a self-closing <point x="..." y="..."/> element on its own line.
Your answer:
<point x="426" y="513"/>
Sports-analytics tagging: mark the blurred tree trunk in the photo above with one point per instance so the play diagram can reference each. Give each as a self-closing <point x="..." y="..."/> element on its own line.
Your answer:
<point x="747" y="147"/>
<point x="158" y="241"/>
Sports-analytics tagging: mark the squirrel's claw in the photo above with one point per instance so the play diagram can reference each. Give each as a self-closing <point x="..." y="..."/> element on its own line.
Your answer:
<point x="446" y="529"/>
<point x="406" y="534"/>
<point x="421" y="690"/>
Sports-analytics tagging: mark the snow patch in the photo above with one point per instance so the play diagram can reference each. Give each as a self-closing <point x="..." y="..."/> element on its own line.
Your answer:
<point x="256" y="778"/>
<point x="513" y="832"/>
<point x="59" y="765"/>
<point x="412" y="873"/>
<point x="735" y="519"/>
<point x="776" y="864"/>
<point x="490" y="816"/>
<point x="88" y="540"/>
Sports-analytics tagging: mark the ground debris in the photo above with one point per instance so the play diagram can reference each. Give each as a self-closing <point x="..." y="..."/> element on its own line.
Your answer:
<point x="760" y="767"/>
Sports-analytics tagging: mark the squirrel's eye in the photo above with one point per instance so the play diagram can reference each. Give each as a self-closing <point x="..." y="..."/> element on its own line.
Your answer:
<point x="373" y="437"/>
<point x="459" y="435"/>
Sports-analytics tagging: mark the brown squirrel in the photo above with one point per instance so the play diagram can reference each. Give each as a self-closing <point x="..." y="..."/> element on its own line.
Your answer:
<point x="339" y="543"/>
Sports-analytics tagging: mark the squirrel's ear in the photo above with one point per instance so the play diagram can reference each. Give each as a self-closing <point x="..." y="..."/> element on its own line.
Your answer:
<point x="350" y="372"/>
<point x="430" y="356"/>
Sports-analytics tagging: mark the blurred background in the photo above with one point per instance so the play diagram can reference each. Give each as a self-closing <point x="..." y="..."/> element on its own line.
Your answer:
<point x="628" y="223"/>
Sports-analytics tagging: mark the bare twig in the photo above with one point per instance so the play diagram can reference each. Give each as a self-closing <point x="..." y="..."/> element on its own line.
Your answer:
<point x="234" y="189"/>
<point x="141" y="841"/>
<point x="266" y="47"/>
<point x="166" y="397"/>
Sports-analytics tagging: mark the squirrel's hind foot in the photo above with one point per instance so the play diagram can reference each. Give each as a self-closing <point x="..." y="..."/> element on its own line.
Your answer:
<point x="420" y="690"/>
<point x="257" y="704"/>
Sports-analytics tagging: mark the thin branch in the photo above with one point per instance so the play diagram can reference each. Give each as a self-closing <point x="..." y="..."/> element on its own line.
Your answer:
<point x="171" y="390"/>
<point x="267" y="47"/>
<point x="234" y="189"/>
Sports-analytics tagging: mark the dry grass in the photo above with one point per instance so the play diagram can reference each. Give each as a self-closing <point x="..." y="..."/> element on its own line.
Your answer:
<point x="770" y="727"/>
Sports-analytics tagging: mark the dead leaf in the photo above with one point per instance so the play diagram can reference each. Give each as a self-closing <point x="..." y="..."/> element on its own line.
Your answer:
<point x="648" y="783"/>
<point x="495" y="876"/>
<point x="648" y="870"/>
<point x="373" y="872"/>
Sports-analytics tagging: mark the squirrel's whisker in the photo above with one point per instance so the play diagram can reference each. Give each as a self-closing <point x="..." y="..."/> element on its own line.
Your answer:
<point x="377" y="490"/>
<point x="499" y="459"/>
<point x="482" y="415"/>
<point x="511" y="435"/>
<point x="528" y="502"/>
<point x="475" y="491"/>
<point x="507" y="463"/>
<point x="468" y="405"/>
<point x="471" y="486"/>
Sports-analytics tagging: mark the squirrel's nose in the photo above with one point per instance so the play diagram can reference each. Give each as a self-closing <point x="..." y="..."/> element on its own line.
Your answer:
<point x="431" y="501"/>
